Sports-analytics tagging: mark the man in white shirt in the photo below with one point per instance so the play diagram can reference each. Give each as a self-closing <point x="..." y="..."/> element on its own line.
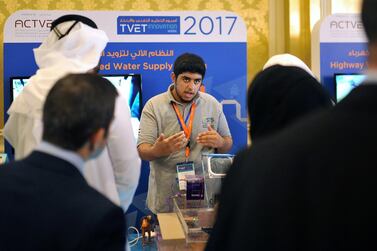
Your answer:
<point x="74" y="45"/>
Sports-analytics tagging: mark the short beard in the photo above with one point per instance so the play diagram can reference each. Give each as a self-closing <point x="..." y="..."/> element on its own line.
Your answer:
<point x="179" y="96"/>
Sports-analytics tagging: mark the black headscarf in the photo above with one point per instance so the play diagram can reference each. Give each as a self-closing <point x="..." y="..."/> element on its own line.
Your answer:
<point x="280" y="95"/>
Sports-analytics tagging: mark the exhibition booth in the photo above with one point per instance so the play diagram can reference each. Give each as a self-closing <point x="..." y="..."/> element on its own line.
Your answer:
<point x="138" y="60"/>
<point x="339" y="53"/>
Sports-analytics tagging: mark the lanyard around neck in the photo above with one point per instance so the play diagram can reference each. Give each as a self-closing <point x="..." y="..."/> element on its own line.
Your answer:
<point x="187" y="129"/>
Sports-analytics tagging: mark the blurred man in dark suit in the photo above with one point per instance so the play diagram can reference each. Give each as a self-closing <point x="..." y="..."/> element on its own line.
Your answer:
<point x="46" y="204"/>
<point x="313" y="185"/>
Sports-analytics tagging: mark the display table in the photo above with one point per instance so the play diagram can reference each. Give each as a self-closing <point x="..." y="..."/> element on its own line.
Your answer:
<point x="187" y="227"/>
<point x="152" y="246"/>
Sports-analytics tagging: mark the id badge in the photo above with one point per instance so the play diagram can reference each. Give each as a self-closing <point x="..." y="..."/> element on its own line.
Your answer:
<point x="183" y="169"/>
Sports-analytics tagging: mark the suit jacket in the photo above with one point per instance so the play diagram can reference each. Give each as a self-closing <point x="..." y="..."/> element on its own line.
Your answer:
<point x="312" y="186"/>
<point x="46" y="204"/>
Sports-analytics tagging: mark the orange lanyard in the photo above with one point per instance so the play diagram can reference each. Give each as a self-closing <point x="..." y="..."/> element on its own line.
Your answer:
<point x="186" y="129"/>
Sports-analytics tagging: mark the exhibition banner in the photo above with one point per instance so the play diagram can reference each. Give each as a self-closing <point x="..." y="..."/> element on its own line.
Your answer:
<point x="343" y="48"/>
<point x="147" y="43"/>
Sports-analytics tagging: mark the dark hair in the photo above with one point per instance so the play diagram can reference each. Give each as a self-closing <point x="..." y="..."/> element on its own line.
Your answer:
<point x="369" y="18"/>
<point x="280" y="95"/>
<point x="77" y="106"/>
<point x="189" y="62"/>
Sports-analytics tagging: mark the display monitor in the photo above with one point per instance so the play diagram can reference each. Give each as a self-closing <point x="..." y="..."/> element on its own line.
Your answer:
<point x="128" y="84"/>
<point x="16" y="86"/>
<point x="344" y="83"/>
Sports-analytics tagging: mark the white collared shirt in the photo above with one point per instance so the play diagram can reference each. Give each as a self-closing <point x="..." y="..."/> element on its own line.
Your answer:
<point x="67" y="155"/>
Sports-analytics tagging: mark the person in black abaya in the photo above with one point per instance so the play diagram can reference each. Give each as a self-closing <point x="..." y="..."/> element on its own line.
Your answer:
<point x="280" y="95"/>
<point x="311" y="185"/>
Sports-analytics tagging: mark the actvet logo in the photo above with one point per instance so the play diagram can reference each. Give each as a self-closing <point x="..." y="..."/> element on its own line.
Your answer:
<point x="346" y="25"/>
<point x="32" y="23"/>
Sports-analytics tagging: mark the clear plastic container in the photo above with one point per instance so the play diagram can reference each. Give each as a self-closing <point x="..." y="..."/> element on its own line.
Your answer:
<point x="195" y="221"/>
<point x="214" y="167"/>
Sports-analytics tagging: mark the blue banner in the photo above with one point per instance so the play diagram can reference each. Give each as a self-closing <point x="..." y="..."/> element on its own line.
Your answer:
<point x="341" y="58"/>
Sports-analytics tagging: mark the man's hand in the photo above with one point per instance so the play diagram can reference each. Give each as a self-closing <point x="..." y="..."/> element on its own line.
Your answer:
<point x="210" y="138"/>
<point x="165" y="146"/>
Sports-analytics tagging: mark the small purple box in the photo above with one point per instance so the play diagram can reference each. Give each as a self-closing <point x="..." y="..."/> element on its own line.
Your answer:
<point x="195" y="187"/>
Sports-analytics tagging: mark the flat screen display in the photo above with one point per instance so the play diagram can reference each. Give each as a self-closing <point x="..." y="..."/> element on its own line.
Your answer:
<point x="344" y="83"/>
<point x="17" y="84"/>
<point x="128" y="84"/>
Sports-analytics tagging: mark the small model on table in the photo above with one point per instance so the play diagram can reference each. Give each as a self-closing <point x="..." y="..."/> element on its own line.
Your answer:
<point x="146" y="227"/>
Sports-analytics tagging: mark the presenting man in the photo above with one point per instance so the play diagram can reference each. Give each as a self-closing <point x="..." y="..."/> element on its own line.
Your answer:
<point x="176" y="127"/>
<point x="46" y="204"/>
